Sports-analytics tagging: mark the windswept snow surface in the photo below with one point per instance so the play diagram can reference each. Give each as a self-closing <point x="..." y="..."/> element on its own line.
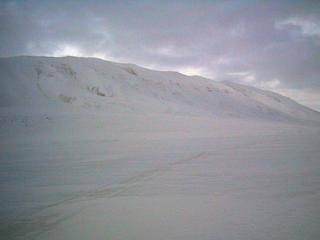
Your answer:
<point x="91" y="149"/>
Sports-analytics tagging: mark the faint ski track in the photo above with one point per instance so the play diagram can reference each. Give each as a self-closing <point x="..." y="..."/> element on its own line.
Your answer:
<point x="34" y="226"/>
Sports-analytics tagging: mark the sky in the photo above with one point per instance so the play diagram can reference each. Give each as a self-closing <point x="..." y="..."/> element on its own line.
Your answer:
<point x="273" y="45"/>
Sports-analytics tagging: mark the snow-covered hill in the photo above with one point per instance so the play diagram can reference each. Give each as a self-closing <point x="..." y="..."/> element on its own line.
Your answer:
<point x="47" y="82"/>
<point x="91" y="149"/>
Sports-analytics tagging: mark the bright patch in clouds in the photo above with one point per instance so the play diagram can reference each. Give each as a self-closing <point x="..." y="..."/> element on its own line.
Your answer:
<point x="307" y="26"/>
<point x="272" y="84"/>
<point x="246" y="77"/>
<point x="168" y="51"/>
<point x="71" y="50"/>
<point x="67" y="50"/>
<point x="192" y="71"/>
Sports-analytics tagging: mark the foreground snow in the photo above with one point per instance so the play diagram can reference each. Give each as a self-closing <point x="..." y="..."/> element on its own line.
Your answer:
<point x="131" y="176"/>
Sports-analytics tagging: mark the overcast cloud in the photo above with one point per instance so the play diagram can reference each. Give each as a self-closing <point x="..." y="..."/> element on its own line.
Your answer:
<point x="274" y="45"/>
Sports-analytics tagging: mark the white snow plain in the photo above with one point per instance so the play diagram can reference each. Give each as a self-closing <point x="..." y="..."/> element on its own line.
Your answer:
<point x="97" y="150"/>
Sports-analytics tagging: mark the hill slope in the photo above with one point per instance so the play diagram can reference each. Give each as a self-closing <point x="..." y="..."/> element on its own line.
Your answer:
<point x="43" y="82"/>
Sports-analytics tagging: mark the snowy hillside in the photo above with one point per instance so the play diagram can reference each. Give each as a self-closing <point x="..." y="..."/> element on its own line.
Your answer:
<point x="91" y="149"/>
<point x="44" y="82"/>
